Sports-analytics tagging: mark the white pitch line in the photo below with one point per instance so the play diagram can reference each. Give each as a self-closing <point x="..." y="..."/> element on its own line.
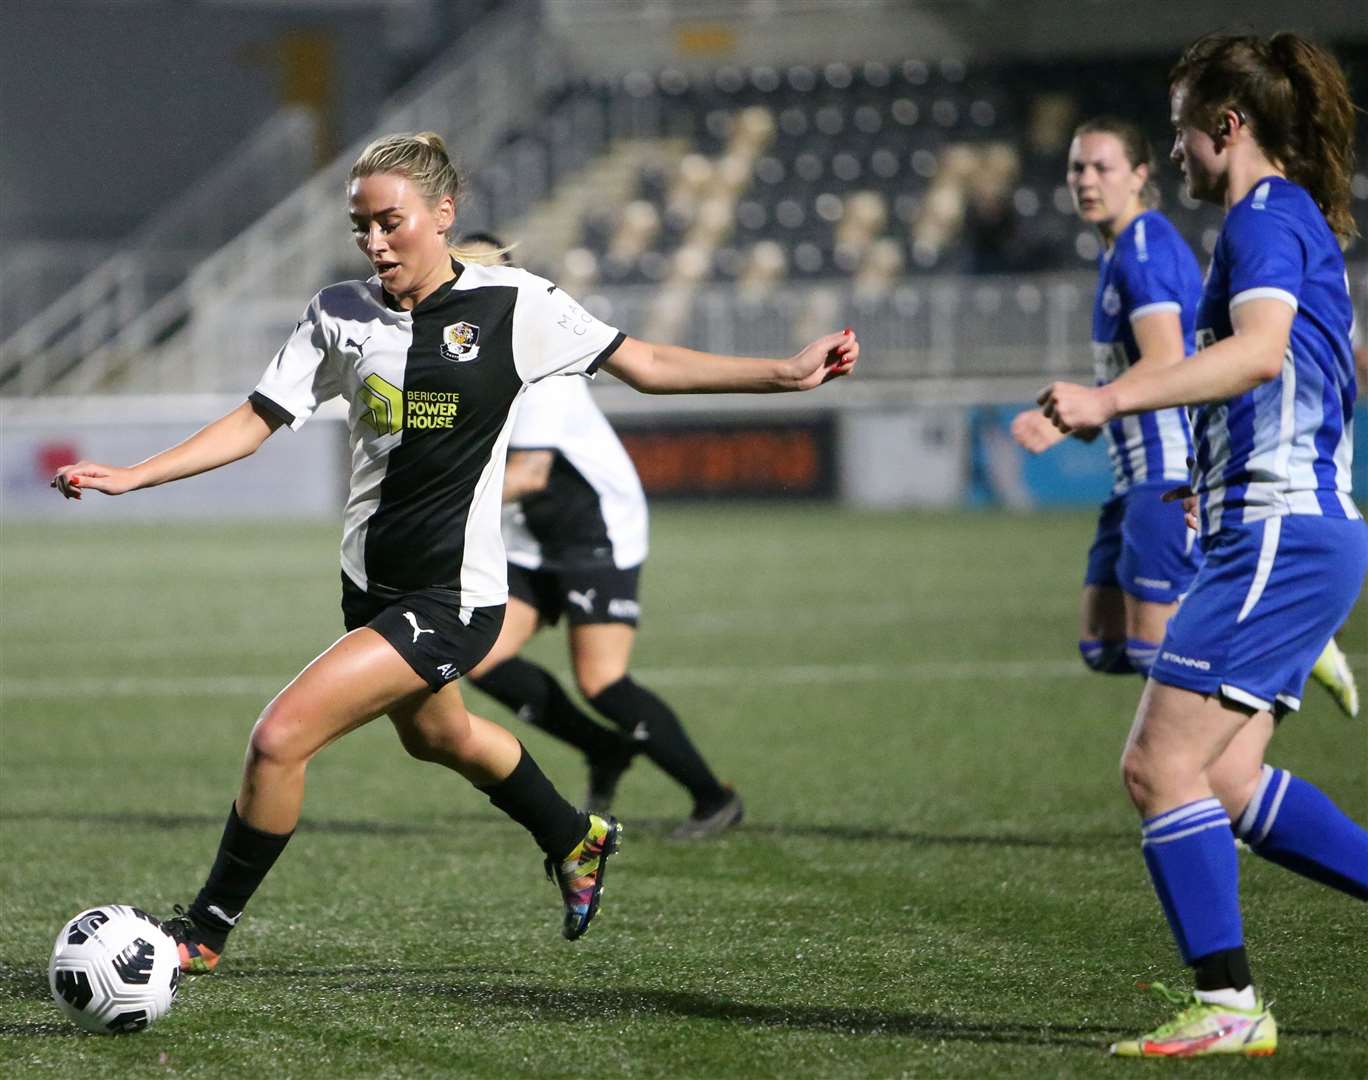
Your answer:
<point x="265" y="686"/>
<point x="789" y="674"/>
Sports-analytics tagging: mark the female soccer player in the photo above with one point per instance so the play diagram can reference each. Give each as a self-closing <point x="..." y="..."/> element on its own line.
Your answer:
<point x="1142" y="558"/>
<point x="575" y="528"/>
<point x="432" y="356"/>
<point x="1264" y="128"/>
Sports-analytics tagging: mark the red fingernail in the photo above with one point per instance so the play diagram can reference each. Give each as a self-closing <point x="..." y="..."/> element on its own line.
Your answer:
<point x="849" y="330"/>
<point x="74" y="481"/>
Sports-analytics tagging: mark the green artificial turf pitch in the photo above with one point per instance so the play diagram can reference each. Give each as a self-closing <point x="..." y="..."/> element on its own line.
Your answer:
<point x="938" y="874"/>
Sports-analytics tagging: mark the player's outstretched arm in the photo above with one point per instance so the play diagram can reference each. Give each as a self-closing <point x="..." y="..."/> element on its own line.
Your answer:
<point x="1253" y="355"/>
<point x="230" y="437"/>
<point x="669" y="369"/>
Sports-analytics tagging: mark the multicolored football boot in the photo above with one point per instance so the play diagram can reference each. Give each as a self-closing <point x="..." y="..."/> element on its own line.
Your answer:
<point x="196" y="957"/>
<point x="1332" y="671"/>
<point x="580" y="874"/>
<point x="1202" y="1028"/>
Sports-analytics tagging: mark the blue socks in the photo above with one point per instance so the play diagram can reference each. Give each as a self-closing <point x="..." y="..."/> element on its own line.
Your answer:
<point x="1141" y="655"/>
<point x="1192" y="863"/>
<point x="1106" y="657"/>
<point x="1295" y="825"/>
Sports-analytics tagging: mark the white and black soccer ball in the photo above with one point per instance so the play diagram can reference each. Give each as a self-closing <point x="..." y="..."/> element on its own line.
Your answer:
<point x="114" y="969"/>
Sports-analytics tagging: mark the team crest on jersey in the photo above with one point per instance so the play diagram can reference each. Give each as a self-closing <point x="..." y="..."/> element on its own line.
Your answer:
<point x="461" y="342"/>
<point x="1111" y="300"/>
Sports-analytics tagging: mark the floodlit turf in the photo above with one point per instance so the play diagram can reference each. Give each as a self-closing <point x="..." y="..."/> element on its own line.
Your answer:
<point x="938" y="875"/>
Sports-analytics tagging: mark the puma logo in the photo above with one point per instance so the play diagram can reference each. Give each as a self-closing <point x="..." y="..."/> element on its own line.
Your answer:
<point x="418" y="631"/>
<point x="359" y="346"/>
<point x="219" y="913"/>
<point x="583" y="600"/>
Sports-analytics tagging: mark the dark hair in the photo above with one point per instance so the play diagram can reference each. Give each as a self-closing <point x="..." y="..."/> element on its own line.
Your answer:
<point x="498" y="256"/>
<point x="1297" y="101"/>
<point x="1135" y="145"/>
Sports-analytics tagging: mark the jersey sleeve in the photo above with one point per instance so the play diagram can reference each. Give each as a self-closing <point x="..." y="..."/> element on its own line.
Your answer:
<point x="1150" y="277"/>
<point x="1265" y="257"/>
<point x="302" y="375"/>
<point x="537" y="425"/>
<point x="553" y="335"/>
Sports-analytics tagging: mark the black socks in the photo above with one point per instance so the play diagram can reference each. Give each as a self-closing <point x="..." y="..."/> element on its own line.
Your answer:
<point x="1224" y="970"/>
<point x="662" y="738"/>
<point x="245" y="857"/>
<point x="529" y="798"/>
<point x="534" y="694"/>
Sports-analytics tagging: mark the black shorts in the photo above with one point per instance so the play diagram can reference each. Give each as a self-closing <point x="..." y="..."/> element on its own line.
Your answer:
<point x="600" y="594"/>
<point x="438" y="638"/>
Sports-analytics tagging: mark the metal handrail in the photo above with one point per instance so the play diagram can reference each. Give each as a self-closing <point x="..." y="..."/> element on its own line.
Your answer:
<point x="472" y="94"/>
<point x="111" y="295"/>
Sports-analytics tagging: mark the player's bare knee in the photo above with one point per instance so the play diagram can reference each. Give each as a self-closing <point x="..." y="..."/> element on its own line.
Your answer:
<point x="275" y="741"/>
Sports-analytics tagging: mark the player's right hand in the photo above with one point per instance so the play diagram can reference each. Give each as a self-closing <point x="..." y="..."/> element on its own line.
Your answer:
<point x="1033" y="432"/>
<point x="71" y="480"/>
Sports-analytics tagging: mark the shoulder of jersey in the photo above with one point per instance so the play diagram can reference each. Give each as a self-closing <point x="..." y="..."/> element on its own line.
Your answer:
<point x="1278" y="196"/>
<point x="349" y="297"/>
<point x="507" y="276"/>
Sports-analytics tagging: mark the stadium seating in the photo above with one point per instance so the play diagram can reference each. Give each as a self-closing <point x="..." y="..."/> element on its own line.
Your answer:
<point x="873" y="172"/>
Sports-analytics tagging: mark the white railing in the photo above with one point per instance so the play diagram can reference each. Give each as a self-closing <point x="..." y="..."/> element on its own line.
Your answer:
<point x="107" y="303"/>
<point x="481" y="86"/>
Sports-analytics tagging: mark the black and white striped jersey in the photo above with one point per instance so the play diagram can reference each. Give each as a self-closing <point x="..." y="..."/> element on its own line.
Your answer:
<point x="592" y="511"/>
<point x="432" y="395"/>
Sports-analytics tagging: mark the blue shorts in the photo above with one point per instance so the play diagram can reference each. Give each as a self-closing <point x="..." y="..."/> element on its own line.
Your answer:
<point x="1143" y="546"/>
<point x="1268" y="597"/>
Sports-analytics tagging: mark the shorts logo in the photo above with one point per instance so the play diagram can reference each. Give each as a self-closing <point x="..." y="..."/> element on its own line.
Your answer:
<point x="383" y="405"/>
<point x="461" y="342"/>
<point x="1111" y="300"/>
<point x="447" y="671"/>
<point x="1186" y="661"/>
<point x="583" y="600"/>
<point x="1153" y="583"/>
<point x="418" y="631"/>
<point x="624" y="609"/>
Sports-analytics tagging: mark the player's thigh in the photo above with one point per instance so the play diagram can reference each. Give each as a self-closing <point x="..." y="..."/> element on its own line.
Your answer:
<point x="521" y="622"/>
<point x="428" y="723"/>
<point x="355" y="680"/>
<point x="1179" y="732"/>
<point x="1146" y="620"/>
<point x="1235" y="775"/>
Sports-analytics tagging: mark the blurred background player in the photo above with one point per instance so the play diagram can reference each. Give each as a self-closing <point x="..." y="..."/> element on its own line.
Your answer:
<point x="1264" y="129"/>
<point x="432" y="355"/>
<point x="1142" y="558"/>
<point x="575" y="528"/>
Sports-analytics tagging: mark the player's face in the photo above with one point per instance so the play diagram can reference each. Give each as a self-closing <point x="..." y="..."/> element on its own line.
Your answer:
<point x="402" y="237"/>
<point x="1105" y="187"/>
<point x="1195" y="154"/>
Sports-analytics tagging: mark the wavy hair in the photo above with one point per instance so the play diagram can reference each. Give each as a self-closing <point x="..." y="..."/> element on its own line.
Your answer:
<point x="1297" y="102"/>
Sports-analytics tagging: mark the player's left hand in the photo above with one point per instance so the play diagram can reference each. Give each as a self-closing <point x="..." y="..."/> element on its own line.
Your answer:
<point x="1069" y="406"/>
<point x="1190" y="502"/>
<point x="825" y="359"/>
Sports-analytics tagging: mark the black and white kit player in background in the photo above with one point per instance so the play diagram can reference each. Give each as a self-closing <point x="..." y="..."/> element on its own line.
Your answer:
<point x="432" y="355"/>
<point x="575" y="529"/>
